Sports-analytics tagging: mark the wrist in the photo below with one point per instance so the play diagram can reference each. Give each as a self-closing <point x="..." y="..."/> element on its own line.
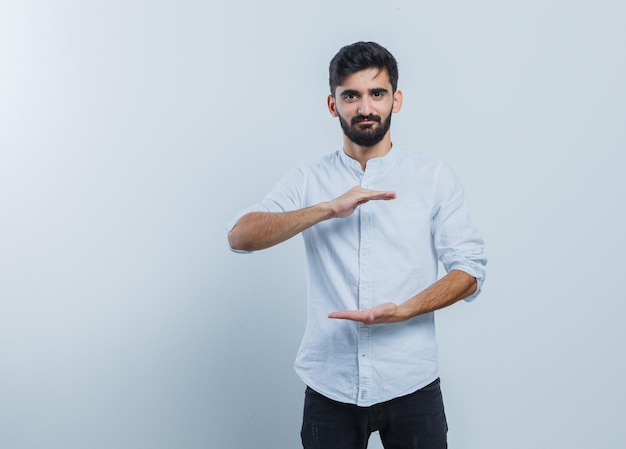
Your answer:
<point x="326" y="210"/>
<point x="404" y="311"/>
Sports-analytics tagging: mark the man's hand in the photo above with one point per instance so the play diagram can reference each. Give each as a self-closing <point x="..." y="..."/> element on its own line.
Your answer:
<point x="344" y="205"/>
<point x="451" y="288"/>
<point x="260" y="230"/>
<point x="384" y="313"/>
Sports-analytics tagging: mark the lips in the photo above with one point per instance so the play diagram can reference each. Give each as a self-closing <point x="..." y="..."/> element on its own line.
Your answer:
<point x="363" y="120"/>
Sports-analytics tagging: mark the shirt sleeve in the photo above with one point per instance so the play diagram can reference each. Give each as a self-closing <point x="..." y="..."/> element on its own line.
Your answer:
<point x="286" y="196"/>
<point x="458" y="243"/>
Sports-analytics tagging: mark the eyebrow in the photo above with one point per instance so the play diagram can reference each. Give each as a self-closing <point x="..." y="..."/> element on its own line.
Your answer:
<point x="348" y="92"/>
<point x="375" y="90"/>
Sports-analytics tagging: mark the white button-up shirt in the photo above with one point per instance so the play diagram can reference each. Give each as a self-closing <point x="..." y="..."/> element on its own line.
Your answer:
<point x="385" y="251"/>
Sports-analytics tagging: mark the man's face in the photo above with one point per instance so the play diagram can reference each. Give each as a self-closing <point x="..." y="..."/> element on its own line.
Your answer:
<point x="364" y="103"/>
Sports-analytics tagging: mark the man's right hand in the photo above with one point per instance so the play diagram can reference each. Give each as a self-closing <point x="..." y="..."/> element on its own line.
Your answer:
<point x="344" y="205"/>
<point x="260" y="230"/>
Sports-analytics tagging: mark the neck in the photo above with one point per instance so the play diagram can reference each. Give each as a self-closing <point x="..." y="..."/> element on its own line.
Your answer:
<point x="364" y="154"/>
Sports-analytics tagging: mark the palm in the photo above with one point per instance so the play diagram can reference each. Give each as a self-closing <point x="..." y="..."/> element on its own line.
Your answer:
<point x="383" y="313"/>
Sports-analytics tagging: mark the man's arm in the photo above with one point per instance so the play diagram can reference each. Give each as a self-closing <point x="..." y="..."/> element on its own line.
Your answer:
<point x="260" y="230"/>
<point x="451" y="288"/>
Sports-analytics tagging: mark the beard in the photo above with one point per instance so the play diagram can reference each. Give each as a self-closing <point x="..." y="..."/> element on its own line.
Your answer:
<point x="365" y="137"/>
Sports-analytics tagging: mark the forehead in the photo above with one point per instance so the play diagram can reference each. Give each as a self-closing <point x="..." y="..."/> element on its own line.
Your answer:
<point x="366" y="79"/>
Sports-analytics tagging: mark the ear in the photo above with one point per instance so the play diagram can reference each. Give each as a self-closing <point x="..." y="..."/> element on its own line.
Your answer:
<point x="397" y="101"/>
<point x="332" y="106"/>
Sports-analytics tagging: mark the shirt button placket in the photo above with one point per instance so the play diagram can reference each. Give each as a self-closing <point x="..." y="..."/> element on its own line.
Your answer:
<point x="365" y="300"/>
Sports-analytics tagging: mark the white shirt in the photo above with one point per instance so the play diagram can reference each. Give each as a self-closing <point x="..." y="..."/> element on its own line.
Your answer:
<point x="385" y="251"/>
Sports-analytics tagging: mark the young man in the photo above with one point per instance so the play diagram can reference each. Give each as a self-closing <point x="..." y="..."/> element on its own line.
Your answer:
<point x="375" y="221"/>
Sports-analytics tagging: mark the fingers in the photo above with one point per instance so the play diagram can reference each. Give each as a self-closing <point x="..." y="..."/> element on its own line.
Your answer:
<point x="377" y="195"/>
<point x="362" y="316"/>
<point x="345" y="315"/>
<point x="344" y="205"/>
<point x="383" y="313"/>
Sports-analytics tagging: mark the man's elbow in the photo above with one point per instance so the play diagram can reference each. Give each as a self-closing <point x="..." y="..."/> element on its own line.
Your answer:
<point x="237" y="241"/>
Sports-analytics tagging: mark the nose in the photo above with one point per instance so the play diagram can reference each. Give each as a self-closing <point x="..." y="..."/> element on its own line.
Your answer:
<point x="365" y="108"/>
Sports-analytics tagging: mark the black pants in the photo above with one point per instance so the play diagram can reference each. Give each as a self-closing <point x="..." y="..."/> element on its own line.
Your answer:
<point x="414" y="421"/>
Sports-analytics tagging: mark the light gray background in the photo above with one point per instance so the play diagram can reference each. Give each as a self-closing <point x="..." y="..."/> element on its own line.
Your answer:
<point x="131" y="132"/>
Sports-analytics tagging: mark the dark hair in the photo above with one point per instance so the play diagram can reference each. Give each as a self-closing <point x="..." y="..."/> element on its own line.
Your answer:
<point x="360" y="56"/>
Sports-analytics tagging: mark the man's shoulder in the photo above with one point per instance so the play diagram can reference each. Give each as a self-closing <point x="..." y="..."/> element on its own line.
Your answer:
<point x="322" y="162"/>
<point x="305" y="168"/>
<point x="331" y="157"/>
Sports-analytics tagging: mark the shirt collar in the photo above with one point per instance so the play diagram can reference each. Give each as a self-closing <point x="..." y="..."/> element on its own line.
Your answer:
<point x="372" y="164"/>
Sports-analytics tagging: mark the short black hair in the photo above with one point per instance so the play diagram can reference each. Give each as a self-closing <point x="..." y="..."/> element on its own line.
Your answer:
<point x="360" y="56"/>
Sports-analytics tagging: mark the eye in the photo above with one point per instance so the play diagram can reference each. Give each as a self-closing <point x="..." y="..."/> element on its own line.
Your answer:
<point x="350" y="97"/>
<point x="378" y="95"/>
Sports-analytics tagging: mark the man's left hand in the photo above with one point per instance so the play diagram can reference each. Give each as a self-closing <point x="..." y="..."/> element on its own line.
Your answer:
<point x="384" y="313"/>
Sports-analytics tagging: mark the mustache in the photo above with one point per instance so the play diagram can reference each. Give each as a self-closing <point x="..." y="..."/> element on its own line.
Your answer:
<point x="359" y="118"/>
